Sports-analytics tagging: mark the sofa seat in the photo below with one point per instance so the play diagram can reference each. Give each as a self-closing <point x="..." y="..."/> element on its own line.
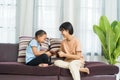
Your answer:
<point x="22" y="69"/>
<point x="100" y="68"/>
<point x="96" y="68"/>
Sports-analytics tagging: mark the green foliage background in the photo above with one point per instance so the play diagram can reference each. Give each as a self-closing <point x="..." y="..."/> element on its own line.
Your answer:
<point x="109" y="35"/>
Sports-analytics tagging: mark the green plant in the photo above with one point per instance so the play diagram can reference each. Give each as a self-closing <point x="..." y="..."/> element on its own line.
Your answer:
<point x="109" y="35"/>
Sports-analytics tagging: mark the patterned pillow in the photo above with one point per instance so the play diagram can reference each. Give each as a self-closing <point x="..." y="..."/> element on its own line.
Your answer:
<point x="55" y="44"/>
<point x="23" y="42"/>
<point x="45" y="45"/>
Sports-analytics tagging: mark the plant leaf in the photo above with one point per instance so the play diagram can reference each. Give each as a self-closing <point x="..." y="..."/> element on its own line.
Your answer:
<point x="114" y="23"/>
<point x="104" y="23"/>
<point x="117" y="32"/>
<point x="118" y="41"/>
<point x="105" y="53"/>
<point x="101" y="24"/>
<point x="111" y="45"/>
<point x="117" y="52"/>
<point x="101" y="36"/>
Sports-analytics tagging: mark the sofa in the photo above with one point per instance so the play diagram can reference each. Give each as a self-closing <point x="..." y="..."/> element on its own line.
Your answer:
<point x="10" y="69"/>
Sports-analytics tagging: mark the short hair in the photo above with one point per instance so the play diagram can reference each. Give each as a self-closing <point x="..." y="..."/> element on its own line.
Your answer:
<point x="67" y="26"/>
<point x="40" y="33"/>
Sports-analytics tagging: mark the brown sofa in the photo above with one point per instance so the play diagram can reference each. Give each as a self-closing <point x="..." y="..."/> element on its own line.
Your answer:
<point x="10" y="69"/>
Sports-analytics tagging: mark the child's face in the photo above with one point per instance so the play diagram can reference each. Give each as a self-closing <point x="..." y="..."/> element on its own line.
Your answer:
<point x="65" y="33"/>
<point x="42" y="38"/>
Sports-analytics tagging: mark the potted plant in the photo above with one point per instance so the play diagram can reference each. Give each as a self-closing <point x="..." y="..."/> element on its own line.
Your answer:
<point x="109" y="35"/>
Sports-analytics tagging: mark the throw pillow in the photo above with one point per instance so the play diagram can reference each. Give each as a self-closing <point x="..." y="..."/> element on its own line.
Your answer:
<point x="55" y="44"/>
<point x="23" y="43"/>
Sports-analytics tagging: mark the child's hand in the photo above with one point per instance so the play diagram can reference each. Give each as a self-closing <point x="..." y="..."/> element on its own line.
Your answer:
<point x="61" y="54"/>
<point x="52" y="52"/>
<point x="48" y="53"/>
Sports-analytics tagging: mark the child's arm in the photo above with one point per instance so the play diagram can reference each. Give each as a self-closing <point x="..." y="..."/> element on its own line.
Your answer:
<point x="48" y="53"/>
<point x="36" y="52"/>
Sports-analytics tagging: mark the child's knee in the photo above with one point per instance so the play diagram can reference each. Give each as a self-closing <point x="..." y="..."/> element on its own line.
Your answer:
<point x="45" y="58"/>
<point x="44" y="55"/>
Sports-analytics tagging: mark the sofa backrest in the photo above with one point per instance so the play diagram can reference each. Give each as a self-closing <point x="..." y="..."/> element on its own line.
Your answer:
<point x="8" y="52"/>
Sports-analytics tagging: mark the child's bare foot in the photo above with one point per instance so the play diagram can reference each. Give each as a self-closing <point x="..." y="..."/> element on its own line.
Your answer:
<point x="43" y="65"/>
<point x="40" y="65"/>
<point x="86" y="70"/>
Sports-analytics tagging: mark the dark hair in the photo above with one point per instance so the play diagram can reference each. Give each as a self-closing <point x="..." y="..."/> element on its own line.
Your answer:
<point x="40" y="33"/>
<point x="67" y="26"/>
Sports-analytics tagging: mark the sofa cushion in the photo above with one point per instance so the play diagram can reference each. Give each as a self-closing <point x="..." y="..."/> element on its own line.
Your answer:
<point x="22" y="69"/>
<point x="100" y="68"/>
<point x="95" y="77"/>
<point x="55" y="44"/>
<point x="23" y="42"/>
<point x="8" y="52"/>
<point x="96" y="68"/>
<point x="28" y="77"/>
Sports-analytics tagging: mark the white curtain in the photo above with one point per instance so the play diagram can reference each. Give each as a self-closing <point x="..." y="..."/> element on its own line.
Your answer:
<point x="48" y="16"/>
<point x="83" y="14"/>
<point x="25" y="17"/>
<point x="7" y="21"/>
<point x="111" y="9"/>
<point x="118" y="10"/>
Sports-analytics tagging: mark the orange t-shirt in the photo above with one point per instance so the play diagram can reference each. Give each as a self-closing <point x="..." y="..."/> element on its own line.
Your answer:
<point x="71" y="46"/>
